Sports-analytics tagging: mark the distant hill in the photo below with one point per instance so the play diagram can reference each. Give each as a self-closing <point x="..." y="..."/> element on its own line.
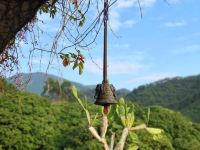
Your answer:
<point x="122" y="92"/>
<point x="180" y="94"/>
<point x="36" y="81"/>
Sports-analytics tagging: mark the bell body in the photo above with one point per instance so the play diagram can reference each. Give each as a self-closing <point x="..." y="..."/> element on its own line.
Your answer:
<point x="105" y="94"/>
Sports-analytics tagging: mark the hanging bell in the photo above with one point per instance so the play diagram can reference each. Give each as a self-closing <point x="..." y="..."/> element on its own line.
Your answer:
<point x="105" y="94"/>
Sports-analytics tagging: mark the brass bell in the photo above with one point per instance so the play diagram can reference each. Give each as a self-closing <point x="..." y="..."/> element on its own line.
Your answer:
<point x="105" y="94"/>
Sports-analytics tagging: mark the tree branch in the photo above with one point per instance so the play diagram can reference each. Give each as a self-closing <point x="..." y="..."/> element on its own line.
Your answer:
<point x="104" y="126"/>
<point x="102" y="138"/>
<point x="112" y="140"/>
<point x="122" y="141"/>
<point x="95" y="133"/>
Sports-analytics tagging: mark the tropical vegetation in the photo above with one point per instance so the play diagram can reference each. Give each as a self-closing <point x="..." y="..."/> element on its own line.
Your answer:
<point x="28" y="121"/>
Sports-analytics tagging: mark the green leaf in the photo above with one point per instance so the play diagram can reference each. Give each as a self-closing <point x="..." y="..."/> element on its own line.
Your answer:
<point x="74" y="91"/>
<point x="154" y="130"/>
<point x="94" y="120"/>
<point x="73" y="18"/>
<point x="157" y="137"/>
<point x="116" y="126"/>
<point x="73" y="55"/>
<point x="130" y="119"/>
<point x="79" y="52"/>
<point x="88" y="116"/>
<point x="121" y="101"/>
<point x="133" y="136"/>
<point x="123" y="121"/>
<point x="120" y="110"/>
<point x="75" y="65"/>
<point x="80" y="68"/>
<point x="135" y="147"/>
<point x="81" y="65"/>
<point x="81" y="23"/>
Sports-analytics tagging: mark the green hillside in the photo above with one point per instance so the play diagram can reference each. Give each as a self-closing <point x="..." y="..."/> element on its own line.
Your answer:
<point x="180" y="94"/>
<point x="29" y="122"/>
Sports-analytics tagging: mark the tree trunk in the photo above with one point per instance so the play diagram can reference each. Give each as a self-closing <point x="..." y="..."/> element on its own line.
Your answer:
<point x="14" y="15"/>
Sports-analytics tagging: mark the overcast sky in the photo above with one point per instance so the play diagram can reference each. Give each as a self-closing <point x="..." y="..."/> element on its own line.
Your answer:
<point x="164" y="43"/>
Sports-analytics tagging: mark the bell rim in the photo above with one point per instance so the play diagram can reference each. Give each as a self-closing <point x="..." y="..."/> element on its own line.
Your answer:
<point x="102" y="103"/>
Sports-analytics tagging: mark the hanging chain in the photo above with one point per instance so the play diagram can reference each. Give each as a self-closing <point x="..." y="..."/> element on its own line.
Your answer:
<point x="105" y="80"/>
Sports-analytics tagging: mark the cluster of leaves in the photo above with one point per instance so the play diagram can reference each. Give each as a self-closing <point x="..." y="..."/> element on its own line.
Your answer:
<point x="49" y="7"/>
<point x="80" y="19"/>
<point x="180" y="94"/>
<point x="77" y="60"/>
<point x="122" y="116"/>
<point x="75" y="15"/>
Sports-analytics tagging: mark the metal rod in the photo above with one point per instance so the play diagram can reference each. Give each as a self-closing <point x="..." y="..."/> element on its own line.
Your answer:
<point x="105" y="80"/>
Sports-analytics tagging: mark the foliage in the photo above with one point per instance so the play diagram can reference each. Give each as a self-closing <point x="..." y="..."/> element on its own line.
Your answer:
<point x="179" y="129"/>
<point x="30" y="122"/>
<point x="122" y="116"/>
<point x="24" y="119"/>
<point x="76" y="59"/>
<point x="180" y="94"/>
<point x="5" y="86"/>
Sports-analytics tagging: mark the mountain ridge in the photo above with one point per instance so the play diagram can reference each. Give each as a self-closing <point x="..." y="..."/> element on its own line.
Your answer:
<point x="179" y="93"/>
<point x="40" y="78"/>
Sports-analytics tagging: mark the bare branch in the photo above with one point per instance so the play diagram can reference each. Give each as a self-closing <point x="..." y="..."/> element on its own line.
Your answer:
<point x="112" y="140"/>
<point x="95" y="133"/>
<point x="102" y="138"/>
<point x="104" y="126"/>
<point x="122" y="141"/>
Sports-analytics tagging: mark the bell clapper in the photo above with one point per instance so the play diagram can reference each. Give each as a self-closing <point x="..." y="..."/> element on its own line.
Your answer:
<point x="106" y="109"/>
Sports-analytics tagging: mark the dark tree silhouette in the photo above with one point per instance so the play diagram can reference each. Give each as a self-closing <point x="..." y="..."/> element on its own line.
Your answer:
<point x="14" y="15"/>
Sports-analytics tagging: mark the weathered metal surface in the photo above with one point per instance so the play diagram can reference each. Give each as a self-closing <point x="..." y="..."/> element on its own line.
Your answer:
<point x="105" y="94"/>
